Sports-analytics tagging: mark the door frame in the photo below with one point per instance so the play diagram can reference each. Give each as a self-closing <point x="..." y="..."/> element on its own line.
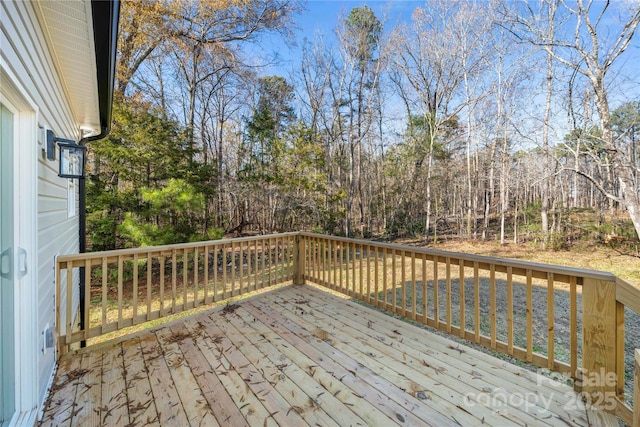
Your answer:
<point x="25" y="160"/>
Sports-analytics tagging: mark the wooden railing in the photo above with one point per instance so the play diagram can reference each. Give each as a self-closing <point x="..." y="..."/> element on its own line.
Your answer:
<point x="131" y="286"/>
<point x="636" y="389"/>
<point x="513" y="307"/>
<point x="564" y="319"/>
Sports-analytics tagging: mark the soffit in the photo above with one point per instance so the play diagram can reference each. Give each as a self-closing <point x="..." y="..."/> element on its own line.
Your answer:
<point x="68" y="26"/>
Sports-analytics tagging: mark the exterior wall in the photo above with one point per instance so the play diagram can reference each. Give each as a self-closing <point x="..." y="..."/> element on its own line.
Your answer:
<point x="25" y="51"/>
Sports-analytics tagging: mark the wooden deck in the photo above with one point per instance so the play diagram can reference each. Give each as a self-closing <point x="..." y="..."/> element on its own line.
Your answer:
<point x="297" y="356"/>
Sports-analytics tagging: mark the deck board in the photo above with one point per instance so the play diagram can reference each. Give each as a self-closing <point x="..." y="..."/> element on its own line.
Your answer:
<point x="376" y="335"/>
<point x="314" y="394"/>
<point x="325" y="379"/>
<point x="221" y="404"/>
<point x="243" y="398"/>
<point x="386" y="362"/>
<point x="167" y="399"/>
<point x="299" y="355"/>
<point x="184" y="376"/>
<point x="140" y="402"/>
<point x="113" y="409"/>
<point x="274" y="372"/>
<point x="60" y="406"/>
<point x="448" y="358"/>
<point x="399" y="406"/>
<point x="89" y="391"/>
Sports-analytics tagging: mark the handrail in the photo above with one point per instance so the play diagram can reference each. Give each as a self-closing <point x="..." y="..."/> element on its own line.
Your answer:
<point x="131" y="286"/>
<point x="384" y="269"/>
<point x="628" y="294"/>
<point x="470" y="258"/>
<point x="164" y="248"/>
<point x="636" y="389"/>
<point x="392" y="277"/>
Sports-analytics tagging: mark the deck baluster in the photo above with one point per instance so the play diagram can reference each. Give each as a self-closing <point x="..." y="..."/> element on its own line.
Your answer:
<point x="461" y="286"/>
<point x="339" y="264"/>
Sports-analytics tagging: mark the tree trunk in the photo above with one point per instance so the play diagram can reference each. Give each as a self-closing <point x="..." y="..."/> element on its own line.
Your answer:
<point x="468" y="156"/>
<point x="504" y="193"/>
<point x="628" y="193"/>
<point x="427" y="222"/>
<point x="544" y="216"/>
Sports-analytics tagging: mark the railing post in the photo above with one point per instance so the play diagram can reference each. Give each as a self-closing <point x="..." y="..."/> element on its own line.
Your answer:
<point x="598" y="377"/>
<point x="298" y="277"/>
<point x="636" y="388"/>
<point x="58" y="314"/>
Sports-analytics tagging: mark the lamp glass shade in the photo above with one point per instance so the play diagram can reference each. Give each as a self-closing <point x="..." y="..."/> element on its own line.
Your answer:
<point x="71" y="161"/>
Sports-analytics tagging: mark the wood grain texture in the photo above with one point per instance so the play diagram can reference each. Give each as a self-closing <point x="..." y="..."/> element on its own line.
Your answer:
<point x="299" y="355"/>
<point x="636" y="389"/>
<point x="599" y="338"/>
<point x="628" y="294"/>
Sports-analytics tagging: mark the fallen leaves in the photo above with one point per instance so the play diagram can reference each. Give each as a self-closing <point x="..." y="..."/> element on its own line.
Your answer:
<point x="230" y="308"/>
<point x="457" y="348"/>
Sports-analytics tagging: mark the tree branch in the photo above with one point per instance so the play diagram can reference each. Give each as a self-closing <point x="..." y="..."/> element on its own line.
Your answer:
<point x="591" y="179"/>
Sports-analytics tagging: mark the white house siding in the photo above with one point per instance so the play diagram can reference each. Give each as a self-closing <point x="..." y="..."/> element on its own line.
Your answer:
<point x="24" y="48"/>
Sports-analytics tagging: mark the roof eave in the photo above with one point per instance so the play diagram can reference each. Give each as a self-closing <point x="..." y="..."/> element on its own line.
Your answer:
<point x="105" y="15"/>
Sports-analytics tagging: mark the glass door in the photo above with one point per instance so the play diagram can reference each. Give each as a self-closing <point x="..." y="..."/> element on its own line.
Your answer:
<point x="7" y="286"/>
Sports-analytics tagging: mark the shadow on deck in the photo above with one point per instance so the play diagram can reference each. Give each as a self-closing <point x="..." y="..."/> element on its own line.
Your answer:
<point x="301" y="355"/>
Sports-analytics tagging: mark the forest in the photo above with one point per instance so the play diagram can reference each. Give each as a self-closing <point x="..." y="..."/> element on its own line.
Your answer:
<point x="488" y="120"/>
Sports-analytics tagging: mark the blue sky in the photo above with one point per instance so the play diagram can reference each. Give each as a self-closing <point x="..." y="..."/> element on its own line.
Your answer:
<point x="323" y="14"/>
<point x="321" y="18"/>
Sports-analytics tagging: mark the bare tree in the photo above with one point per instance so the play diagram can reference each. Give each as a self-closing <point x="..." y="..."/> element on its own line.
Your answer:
<point x="591" y="49"/>
<point x="473" y="30"/>
<point x="551" y="6"/>
<point x="359" y="37"/>
<point x="146" y="24"/>
<point x="430" y="73"/>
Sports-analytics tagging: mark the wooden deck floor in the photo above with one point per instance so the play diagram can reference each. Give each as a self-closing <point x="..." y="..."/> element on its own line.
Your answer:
<point x="299" y="356"/>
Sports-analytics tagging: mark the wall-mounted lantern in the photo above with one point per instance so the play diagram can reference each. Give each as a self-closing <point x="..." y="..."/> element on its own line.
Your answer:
<point x="71" y="160"/>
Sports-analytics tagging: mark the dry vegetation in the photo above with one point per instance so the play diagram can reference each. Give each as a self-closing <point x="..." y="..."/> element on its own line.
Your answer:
<point x="583" y="255"/>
